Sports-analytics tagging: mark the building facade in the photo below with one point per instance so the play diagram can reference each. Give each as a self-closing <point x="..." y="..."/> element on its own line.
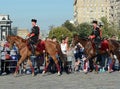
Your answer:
<point x="89" y="10"/>
<point x="22" y="32"/>
<point x="115" y="13"/>
<point x="5" y="27"/>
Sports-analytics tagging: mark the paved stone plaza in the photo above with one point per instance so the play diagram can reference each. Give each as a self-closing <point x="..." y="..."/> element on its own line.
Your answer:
<point x="71" y="81"/>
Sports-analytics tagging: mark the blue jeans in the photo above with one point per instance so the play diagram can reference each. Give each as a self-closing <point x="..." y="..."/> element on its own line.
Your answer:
<point x="104" y="59"/>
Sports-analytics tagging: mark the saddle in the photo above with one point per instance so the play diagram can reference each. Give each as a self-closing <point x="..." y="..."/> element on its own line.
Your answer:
<point x="103" y="45"/>
<point x="38" y="42"/>
<point x="39" y="46"/>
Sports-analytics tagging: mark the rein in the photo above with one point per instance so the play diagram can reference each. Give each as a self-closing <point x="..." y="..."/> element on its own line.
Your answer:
<point x="20" y="44"/>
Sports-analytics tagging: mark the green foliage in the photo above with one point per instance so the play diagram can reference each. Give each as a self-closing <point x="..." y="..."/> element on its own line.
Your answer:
<point x="107" y="29"/>
<point x="109" y="32"/>
<point x="69" y="26"/>
<point x="60" y="32"/>
<point x="84" y="29"/>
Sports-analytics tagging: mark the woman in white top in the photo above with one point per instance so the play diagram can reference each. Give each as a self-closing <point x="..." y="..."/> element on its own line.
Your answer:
<point x="64" y="47"/>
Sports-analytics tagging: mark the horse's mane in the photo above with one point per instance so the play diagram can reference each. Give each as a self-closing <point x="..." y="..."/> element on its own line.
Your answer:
<point x="84" y="38"/>
<point x="23" y="40"/>
<point x="117" y="43"/>
<point x="19" y="37"/>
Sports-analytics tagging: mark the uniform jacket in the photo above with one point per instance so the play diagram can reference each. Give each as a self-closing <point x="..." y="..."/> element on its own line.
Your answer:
<point x="96" y="32"/>
<point x="35" y="31"/>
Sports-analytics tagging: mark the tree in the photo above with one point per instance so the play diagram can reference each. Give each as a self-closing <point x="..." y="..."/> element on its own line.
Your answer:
<point x="108" y="29"/>
<point x="60" y="32"/>
<point x="69" y="26"/>
<point x="84" y="29"/>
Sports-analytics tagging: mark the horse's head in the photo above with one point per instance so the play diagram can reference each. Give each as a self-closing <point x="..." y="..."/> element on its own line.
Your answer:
<point x="75" y="40"/>
<point x="17" y="40"/>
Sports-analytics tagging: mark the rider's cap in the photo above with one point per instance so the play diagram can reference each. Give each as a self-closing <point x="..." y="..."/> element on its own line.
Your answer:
<point x="94" y="21"/>
<point x="34" y="20"/>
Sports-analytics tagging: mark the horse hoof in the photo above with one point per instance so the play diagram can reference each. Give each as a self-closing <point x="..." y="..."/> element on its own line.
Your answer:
<point x="110" y="71"/>
<point x="85" y="71"/>
<point x="15" y="74"/>
<point x="33" y="74"/>
<point x="43" y="72"/>
<point x="59" y="73"/>
<point x="96" y="72"/>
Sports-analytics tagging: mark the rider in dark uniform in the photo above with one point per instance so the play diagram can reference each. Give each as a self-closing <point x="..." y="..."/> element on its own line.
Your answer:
<point x="96" y="35"/>
<point x="33" y="35"/>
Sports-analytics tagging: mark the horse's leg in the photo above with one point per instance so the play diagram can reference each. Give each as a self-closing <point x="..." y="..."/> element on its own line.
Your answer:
<point x="18" y="65"/>
<point x="47" y="62"/>
<point x="57" y="64"/>
<point x="95" y="65"/>
<point x="91" y="64"/>
<point x="39" y="62"/>
<point x="24" y="67"/>
<point x="31" y="66"/>
<point x="38" y="65"/>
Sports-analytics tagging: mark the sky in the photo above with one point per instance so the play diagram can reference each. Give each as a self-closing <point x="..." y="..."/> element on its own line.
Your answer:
<point x="47" y="12"/>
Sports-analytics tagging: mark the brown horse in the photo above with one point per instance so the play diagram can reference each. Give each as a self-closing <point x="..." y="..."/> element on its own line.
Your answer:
<point x="50" y="47"/>
<point x="116" y="48"/>
<point x="91" y="52"/>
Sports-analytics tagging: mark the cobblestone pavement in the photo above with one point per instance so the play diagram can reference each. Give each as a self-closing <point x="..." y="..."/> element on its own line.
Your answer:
<point x="72" y="81"/>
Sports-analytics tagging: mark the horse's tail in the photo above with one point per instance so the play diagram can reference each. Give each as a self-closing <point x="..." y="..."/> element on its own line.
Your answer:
<point x="60" y="52"/>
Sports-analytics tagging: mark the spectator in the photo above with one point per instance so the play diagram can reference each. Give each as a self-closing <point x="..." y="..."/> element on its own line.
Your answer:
<point x="54" y="39"/>
<point x="48" y="39"/>
<point x="70" y="59"/>
<point x="5" y="55"/>
<point x="64" y="47"/>
<point x="6" y="47"/>
<point x="80" y="59"/>
<point x="78" y="55"/>
<point x="66" y="41"/>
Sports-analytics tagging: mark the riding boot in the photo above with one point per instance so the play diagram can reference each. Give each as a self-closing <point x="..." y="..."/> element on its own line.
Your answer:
<point x="97" y="44"/>
<point x="97" y="49"/>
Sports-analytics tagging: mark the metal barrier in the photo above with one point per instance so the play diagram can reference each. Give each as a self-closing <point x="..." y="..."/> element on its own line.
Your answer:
<point x="8" y="58"/>
<point x="8" y="66"/>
